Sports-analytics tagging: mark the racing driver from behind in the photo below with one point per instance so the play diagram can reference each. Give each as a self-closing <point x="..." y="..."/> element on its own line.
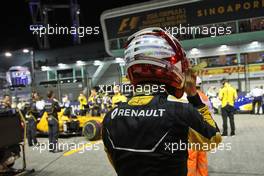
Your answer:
<point x="148" y="135"/>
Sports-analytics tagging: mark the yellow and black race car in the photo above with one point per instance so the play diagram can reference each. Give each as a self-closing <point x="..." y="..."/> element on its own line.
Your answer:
<point x="89" y="126"/>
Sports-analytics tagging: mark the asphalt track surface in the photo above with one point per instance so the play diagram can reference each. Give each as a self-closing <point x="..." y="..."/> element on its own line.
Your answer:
<point x="240" y="155"/>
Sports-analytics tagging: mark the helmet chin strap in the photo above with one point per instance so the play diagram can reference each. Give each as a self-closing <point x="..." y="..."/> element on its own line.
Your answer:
<point x="179" y="92"/>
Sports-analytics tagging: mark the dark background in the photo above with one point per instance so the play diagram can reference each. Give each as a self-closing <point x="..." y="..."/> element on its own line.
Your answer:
<point x="15" y="21"/>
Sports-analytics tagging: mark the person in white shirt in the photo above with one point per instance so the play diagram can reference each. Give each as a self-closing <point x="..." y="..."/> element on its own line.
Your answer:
<point x="257" y="94"/>
<point x="66" y="105"/>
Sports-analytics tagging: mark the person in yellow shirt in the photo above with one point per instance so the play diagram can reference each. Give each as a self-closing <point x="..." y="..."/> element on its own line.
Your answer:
<point x="118" y="97"/>
<point x="83" y="103"/>
<point x="228" y="95"/>
<point x="94" y="102"/>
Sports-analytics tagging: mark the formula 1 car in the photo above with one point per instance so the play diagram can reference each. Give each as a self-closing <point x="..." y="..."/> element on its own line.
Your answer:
<point x="89" y="126"/>
<point x="243" y="104"/>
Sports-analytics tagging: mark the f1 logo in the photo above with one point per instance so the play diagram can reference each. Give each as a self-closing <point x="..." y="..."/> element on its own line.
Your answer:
<point x="128" y="22"/>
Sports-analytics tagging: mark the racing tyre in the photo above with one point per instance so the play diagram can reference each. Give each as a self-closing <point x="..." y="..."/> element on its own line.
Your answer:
<point x="92" y="130"/>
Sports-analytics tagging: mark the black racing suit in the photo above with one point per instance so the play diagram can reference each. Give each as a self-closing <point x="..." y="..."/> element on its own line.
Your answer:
<point x="148" y="135"/>
<point x="52" y="108"/>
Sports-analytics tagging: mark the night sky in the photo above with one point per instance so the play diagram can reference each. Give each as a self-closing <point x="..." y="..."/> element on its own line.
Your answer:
<point x="15" y="20"/>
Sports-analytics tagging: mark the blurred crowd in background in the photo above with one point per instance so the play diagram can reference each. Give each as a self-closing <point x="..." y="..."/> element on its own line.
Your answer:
<point x="99" y="102"/>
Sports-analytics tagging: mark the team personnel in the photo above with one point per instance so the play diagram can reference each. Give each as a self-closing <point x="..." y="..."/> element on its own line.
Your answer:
<point x="66" y="105"/>
<point x="32" y="116"/>
<point x="106" y="103"/>
<point x="83" y="103"/>
<point x="197" y="161"/>
<point x="94" y="102"/>
<point x="143" y="137"/>
<point x="257" y="94"/>
<point x="118" y="97"/>
<point x="52" y="108"/>
<point x="228" y="95"/>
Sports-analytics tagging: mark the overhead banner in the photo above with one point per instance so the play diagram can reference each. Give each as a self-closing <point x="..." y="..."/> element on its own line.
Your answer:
<point x="232" y="69"/>
<point x="191" y="14"/>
